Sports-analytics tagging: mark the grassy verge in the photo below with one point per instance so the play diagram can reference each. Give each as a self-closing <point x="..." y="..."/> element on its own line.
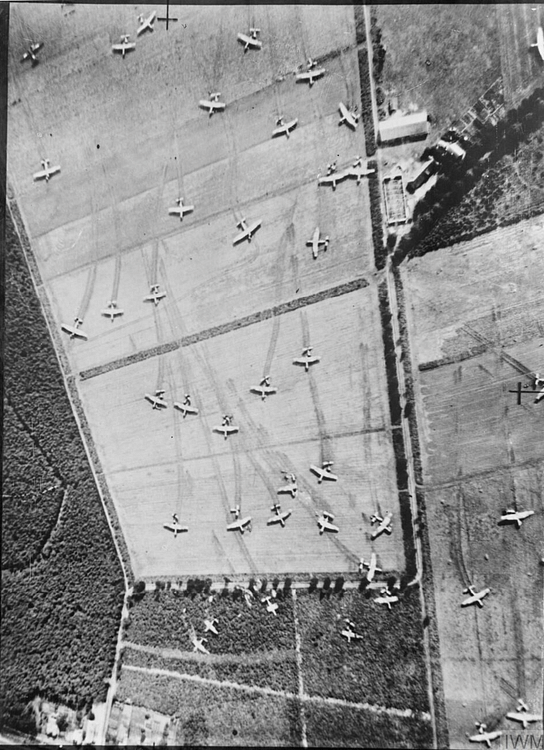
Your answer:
<point x="427" y="582"/>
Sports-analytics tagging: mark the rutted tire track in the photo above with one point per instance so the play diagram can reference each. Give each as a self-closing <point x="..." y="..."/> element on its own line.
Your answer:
<point x="170" y="380"/>
<point x="232" y="325"/>
<point x="91" y="276"/>
<point x="286" y="243"/>
<point x="456" y="518"/>
<point x="325" y="440"/>
<point x="279" y="463"/>
<point x="176" y="322"/>
<point x="117" y="232"/>
<point x="156" y="240"/>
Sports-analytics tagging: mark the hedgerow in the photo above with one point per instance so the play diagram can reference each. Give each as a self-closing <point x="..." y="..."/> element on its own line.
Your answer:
<point x="389" y="355"/>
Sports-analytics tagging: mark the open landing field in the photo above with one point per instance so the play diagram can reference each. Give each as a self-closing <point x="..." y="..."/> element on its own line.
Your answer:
<point x="130" y="138"/>
<point x="475" y="314"/>
<point x="158" y="462"/>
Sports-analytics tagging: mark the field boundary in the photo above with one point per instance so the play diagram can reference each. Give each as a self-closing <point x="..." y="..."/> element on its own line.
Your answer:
<point x="405" y="435"/>
<point x="232" y="325"/>
<point x="422" y="531"/>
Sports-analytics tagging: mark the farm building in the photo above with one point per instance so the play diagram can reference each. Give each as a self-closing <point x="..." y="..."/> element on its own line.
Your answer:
<point x="454" y="149"/>
<point x="406" y="126"/>
<point x="428" y="169"/>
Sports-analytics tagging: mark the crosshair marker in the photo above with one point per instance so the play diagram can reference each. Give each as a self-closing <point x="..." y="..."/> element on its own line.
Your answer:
<point x="167" y="17"/>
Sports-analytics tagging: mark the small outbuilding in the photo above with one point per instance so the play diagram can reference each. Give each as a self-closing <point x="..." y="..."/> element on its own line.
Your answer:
<point x="453" y="149"/>
<point x="428" y="169"/>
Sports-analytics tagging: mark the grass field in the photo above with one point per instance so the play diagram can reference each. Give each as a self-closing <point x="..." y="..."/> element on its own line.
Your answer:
<point x="483" y="454"/>
<point x="158" y="463"/>
<point x="100" y="230"/>
<point x="521" y="67"/>
<point x="439" y="57"/>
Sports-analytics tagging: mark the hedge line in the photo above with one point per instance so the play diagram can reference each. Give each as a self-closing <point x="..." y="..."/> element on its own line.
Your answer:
<point x="453" y="358"/>
<point x="233" y="325"/>
<point x="380" y="249"/>
<point x="389" y="355"/>
<point x="410" y="411"/>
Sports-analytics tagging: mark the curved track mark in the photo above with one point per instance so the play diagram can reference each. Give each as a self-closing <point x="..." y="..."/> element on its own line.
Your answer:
<point x="117" y="232"/>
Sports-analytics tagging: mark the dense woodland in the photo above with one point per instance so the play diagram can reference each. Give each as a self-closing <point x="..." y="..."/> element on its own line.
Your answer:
<point x="166" y="619"/>
<point x="61" y="608"/>
<point x="32" y="495"/>
<point x="212" y="715"/>
<point x="347" y="726"/>
<point x="386" y="668"/>
<point x="274" y="671"/>
<point x="467" y="198"/>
